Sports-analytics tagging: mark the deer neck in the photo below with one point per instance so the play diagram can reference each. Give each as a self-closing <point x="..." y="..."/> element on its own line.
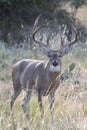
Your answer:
<point x="52" y="71"/>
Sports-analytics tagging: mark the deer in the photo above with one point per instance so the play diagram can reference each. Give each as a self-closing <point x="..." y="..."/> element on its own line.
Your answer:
<point x="40" y="76"/>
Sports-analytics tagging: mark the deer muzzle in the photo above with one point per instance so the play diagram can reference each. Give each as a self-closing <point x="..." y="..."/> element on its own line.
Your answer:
<point x="55" y="63"/>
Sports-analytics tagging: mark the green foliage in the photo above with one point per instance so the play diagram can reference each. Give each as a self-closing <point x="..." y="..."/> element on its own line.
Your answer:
<point x="19" y="13"/>
<point x="78" y="3"/>
<point x="71" y="67"/>
<point x="68" y="72"/>
<point x="46" y="3"/>
<point x="4" y="54"/>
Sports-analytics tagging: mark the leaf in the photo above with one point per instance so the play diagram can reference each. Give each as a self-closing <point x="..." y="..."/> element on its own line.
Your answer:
<point x="72" y="67"/>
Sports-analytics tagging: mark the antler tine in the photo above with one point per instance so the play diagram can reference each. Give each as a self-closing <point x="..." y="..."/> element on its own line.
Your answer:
<point x="34" y="34"/>
<point x="62" y="35"/>
<point x="67" y="47"/>
<point x="74" y="40"/>
<point x="36" y="22"/>
<point x="62" y="40"/>
<point x="48" y="39"/>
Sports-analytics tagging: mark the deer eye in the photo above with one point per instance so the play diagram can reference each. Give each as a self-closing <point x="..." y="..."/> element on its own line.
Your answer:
<point x="60" y="56"/>
<point x="49" y="55"/>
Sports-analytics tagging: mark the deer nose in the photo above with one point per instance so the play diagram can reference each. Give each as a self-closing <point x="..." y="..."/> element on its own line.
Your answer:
<point x="55" y="63"/>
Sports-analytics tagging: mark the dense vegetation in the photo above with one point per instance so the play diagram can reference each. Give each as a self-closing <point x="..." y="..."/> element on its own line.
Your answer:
<point x="17" y="16"/>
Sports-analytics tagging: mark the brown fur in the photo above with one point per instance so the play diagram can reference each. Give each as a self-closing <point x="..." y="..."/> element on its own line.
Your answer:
<point x="40" y="76"/>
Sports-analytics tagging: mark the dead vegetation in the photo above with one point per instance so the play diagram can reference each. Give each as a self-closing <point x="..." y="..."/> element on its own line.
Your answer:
<point x="70" y="107"/>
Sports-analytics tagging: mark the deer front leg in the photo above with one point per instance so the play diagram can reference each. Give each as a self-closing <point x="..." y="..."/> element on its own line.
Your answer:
<point x="40" y="104"/>
<point x="51" y="101"/>
<point x="26" y="102"/>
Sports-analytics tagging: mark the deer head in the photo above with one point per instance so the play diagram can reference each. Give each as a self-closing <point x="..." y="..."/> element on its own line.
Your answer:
<point x="54" y="56"/>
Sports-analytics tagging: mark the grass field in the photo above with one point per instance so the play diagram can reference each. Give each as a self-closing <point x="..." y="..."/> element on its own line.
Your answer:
<point x="70" y="107"/>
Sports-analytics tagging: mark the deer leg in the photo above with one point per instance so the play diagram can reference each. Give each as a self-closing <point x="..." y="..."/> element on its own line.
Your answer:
<point x="40" y="104"/>
<point x="51" y="101"/>
<point x="26" y="102"/>
<point x="14" y="96"/>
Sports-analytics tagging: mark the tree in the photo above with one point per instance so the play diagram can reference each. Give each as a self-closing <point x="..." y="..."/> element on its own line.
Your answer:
<point x="75" y="4"/>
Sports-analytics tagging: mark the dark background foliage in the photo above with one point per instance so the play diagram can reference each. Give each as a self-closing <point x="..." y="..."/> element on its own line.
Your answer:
<point x="17" y="16"/>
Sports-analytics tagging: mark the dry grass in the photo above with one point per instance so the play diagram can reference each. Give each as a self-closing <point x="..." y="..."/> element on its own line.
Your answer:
<point x="70" y="107"/>
<point x="82" y="15"/>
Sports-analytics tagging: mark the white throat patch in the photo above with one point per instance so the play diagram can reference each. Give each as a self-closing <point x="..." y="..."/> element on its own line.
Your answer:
<point x="55" y="68"/>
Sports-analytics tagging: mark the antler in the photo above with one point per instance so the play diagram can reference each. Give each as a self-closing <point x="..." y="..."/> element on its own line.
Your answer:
<point x="34" y="35"/>
<point x="74" y="40"/>
<point x="67" y="47"/>
<point x="36" y="30"/>
<point x="44" y="48"/>
<point x="48" y="40"/>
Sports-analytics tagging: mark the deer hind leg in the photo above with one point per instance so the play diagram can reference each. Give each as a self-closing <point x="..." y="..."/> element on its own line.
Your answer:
<point x="51" y="101"/>
<point x="14" y="96"/>
<point x="40" y="104"/>
<point x="26" y="102"/>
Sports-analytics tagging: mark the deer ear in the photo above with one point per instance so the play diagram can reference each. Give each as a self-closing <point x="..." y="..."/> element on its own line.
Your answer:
<point x="67" y="49"/>
<point x="62" y="41"/>
<point x="44" y="50"/>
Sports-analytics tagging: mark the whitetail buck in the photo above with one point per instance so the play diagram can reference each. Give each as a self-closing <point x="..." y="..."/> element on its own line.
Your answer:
<point x="41" y="76"/>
